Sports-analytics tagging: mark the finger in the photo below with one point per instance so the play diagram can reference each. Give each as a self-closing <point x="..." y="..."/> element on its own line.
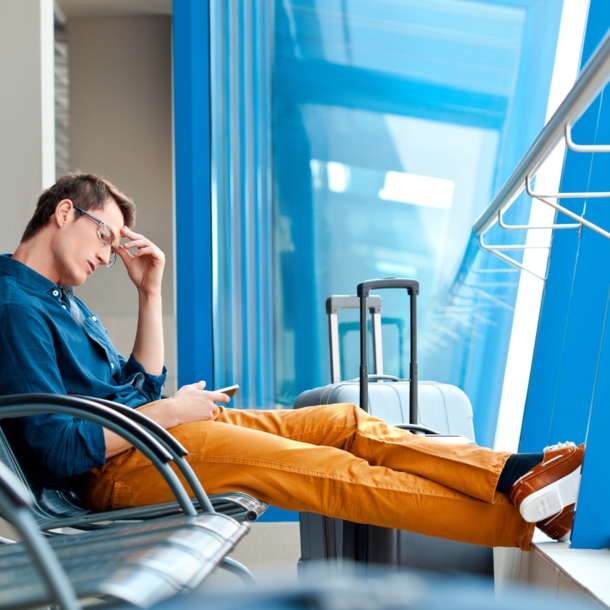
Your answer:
<point x="149" y="251"/>
<point x="136" y="239"/>
<point x="137" y="243"/>
<point x="200" y="384"/>
<point x="145" y="247"/>
<point x="124" y="255"/>
<point x="129" y="233"/>
<point x="131" y="244"/>
<point x="218" y="397"/>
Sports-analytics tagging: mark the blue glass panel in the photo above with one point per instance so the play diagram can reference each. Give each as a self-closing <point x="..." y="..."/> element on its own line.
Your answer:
<point x="240" y="67"/>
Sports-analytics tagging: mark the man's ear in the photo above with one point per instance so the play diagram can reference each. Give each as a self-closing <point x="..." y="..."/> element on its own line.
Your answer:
<point x="63" y="211"/>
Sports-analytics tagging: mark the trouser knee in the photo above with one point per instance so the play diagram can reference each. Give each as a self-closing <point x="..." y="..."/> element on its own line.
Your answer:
<point x="350" y="413"/>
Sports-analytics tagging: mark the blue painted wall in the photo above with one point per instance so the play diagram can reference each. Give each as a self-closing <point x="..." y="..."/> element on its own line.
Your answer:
<point x="569" y="388"/>
<point x="193" y="191"/>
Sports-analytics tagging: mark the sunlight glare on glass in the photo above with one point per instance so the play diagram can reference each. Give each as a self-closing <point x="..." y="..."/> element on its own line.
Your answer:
<point x="418" y="190"/>
<point x="316" y="173"/>
<point x="339" y="177"/>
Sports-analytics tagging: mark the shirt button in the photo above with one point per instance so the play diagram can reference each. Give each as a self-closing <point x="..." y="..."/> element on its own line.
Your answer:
<point x="112" y="365"/>
<point x="94" y="318"/>
<point x="64" y="306"/>
<point x="56" y="293"/>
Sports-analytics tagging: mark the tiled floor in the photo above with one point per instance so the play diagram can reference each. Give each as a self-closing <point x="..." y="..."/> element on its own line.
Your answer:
<point x="271" y="551"/>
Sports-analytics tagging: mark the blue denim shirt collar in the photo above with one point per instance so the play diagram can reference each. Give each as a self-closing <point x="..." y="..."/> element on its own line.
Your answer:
<point x="25" y="274"/>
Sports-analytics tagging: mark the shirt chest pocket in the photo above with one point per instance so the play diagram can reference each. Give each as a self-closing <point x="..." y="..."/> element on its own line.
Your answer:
<point x="99" y="335"/>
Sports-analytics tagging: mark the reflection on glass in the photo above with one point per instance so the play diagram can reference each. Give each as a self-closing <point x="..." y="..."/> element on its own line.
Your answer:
<point x="418" y="190"/>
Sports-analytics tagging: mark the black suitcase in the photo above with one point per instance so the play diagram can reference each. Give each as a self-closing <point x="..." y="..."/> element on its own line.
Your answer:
<point x="443" y="411"/>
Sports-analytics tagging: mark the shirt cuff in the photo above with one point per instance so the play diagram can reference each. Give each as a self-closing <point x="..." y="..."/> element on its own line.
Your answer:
<point x="148" y="385"/>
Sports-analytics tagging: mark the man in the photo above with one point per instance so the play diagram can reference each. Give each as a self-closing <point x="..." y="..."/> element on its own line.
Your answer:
<point x="335" y="460"/>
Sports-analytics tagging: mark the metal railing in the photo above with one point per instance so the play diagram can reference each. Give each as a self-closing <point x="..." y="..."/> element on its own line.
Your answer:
<point x="593" y="78"/>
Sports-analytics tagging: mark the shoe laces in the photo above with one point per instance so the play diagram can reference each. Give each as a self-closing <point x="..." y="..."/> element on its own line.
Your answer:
<point x="559" y="446"/>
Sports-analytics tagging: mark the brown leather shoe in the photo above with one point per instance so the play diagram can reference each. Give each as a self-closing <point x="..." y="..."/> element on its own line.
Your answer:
<point x="550" y="486"/>
<point x="559" y="526"/>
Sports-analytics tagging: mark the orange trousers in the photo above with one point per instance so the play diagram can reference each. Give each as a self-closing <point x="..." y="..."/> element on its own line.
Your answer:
<point x="335" y="460"/>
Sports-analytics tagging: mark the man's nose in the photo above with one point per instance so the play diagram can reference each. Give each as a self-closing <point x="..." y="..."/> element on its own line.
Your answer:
<point x="103" y="255"/>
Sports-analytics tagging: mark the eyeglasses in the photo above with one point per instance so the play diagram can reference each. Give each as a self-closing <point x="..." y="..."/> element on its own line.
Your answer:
<point x="104" y="233"/>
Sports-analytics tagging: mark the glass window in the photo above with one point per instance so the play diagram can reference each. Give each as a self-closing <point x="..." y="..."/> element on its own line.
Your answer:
<point x="393" y="124"/>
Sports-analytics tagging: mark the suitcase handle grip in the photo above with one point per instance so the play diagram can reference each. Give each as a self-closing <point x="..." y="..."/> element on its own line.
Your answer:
<point x="364" y="289"/>
<point x="336" y="302"/>
<point x="381" y="377"/>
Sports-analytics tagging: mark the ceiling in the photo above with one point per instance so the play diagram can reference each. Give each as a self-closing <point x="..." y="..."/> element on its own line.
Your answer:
<point x="106" y="8"/>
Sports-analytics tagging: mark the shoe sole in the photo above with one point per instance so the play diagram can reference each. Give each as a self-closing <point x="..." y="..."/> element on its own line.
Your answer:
<point x="551" y="499"/>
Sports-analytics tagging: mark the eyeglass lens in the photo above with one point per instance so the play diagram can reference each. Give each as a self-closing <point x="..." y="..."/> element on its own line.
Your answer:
<point x="106" y="238"/>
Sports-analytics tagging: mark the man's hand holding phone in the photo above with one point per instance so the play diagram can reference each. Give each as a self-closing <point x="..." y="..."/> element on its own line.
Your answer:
<point x="193" y="403"/>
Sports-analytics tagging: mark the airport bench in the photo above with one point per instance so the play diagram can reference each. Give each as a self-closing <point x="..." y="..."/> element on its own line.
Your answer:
<point x="54" y="509"/>
<point x="139" y="565"/>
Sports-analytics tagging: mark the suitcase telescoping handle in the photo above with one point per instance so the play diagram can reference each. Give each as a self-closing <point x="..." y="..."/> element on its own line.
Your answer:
<point x="336" y="303"/>
<point x="364" y="289"/>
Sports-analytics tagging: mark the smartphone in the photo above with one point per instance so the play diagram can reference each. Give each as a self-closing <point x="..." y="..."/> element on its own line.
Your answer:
<point x="229" y="390"/>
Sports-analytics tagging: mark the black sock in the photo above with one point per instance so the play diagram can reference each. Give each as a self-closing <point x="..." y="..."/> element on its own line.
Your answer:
<point x="516" y="466"/>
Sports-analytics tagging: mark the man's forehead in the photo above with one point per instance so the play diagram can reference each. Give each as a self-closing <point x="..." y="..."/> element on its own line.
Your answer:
<point x="111" y="214"/>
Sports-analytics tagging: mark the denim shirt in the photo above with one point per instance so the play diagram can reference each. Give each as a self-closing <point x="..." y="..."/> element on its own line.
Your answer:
<point x="45" y="349"/>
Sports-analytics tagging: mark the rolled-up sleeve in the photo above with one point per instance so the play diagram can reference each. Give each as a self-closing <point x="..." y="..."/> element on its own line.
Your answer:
<point x="150" y="386"/>
<point x="64" y="445"/>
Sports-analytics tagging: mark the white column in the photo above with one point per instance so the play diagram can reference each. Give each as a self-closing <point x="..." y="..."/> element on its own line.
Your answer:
<point x="27" y="112"/>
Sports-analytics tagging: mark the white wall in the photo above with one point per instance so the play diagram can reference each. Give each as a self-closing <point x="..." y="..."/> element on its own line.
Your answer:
<point x="121" y="128"/>
<point x="27" y="140"/>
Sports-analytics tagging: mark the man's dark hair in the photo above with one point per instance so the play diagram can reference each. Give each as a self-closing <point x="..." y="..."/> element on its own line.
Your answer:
<point x="87" y="191"/>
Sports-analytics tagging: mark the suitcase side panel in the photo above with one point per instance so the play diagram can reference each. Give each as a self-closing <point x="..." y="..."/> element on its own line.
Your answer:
<point x="442" y="407"/>
<point x="334" y="393"/>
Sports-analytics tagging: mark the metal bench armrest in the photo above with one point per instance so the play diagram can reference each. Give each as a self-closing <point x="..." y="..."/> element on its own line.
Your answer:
<point x="15" y="508"/>
<point x="160" y="433"/>
<point x="21" y="405"/>
<point x="168" y="441"/>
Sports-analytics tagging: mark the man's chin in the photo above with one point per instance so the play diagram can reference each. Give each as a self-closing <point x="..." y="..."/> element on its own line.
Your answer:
<point x="72" y="281"/>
